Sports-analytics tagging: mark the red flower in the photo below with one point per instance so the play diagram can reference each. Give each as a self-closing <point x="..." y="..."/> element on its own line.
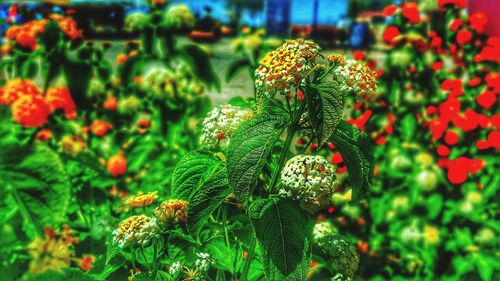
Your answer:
<point x="16" y="88"/>
<point x="430" y="110"/>
<point x="454" y="86"/>
<point x="494" y="139"/>
<point x="478" y="21"/>
<point x="300" y="94"/>
<point x="455" y="24"/>
<point x="390" y="34"/>
<point x="60" y="98"/>
<point x="437" y="128"/>
<point x="380" y="140"/>
<point x="462" y="4"/>
<point x="359" y="55"/>
<point x="437" y="65"/>
<point x="337" y="158"/>
<point x="460" y="167"/>
<point x="486" y="99"/>
<point x="411" y="13"/>
<point x="490" y="52"/>
<point x="450" y="108"/>
<point x="111" y="103"/>
<point x="463" y="37"/>
<point x="100" y="128"/>
<point x="436" y="42"/>
<point x="117" y="165"/>
<point x="443" y="151"/>
<point x="474" y="82"/>
<point x="44" y="135"/>
<point x="389" y="10"/>
<point x="451" y="138"/>
<point x="26" y="39"/>
<point x="30" y="111"/>
<point x="466" y="121"/>
<point x="493" y="81"/>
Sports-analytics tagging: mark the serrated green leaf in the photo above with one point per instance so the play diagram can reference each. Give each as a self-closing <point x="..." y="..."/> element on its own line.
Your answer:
<point x="36" y="181"/>
<point x="249" y="149"/>
<point x="235" y="67"/>
<point x="201" y="179"/>
<point x="226" y="258"/>
<point x="356" y="149"/>
<point x="284" y="232"/>
<point x="325" y="108"/>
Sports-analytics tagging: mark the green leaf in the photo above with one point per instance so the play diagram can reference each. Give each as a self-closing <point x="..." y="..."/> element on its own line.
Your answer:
<point x="325" y="109"/>
<point x="102" y="269"/>
<point x="201" y="179"/>
<point x="284" y="231"/>
<point x="72" y="274"/>
<point x="226" y="258"/>
<point x="36" y="181"/>
<point x="235" y="67"/>
<point x="356" y="149"/>
<point x="249" y="149"/>
<point x="199" y="60"/>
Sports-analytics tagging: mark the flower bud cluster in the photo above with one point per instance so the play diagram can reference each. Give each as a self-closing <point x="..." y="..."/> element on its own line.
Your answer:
<point x="310" y="179"/>
<point x="357" y="78"/>
<point x="221" y="122"/>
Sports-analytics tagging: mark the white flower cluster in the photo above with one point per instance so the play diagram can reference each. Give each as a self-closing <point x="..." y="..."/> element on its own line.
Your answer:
<point x="357" y="78"/>
<point x="136" y="22"/>
<point x="203" y="262"/>
<point x="286" y="67"/>
<point x="322" y="230"/>
<point x="135" y="229"/>
<point x="174" y="268"/>
<point x="345" y="258"/>
<point x="221" y="122"/>
<point x="310" y="179"/>
<point x="164" y="83"/>
<point x="179" y="18"/>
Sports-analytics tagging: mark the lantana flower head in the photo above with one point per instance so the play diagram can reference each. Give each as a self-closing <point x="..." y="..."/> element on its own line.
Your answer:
<point x="179" y="18"/>
<point x="221" y="122"/>
<point x="52" y="252"/>
<point x="310" y="179"/>
<point x="16" y="88"/>
<point x="135" y="229"/>
<point x="345" y="258"/>
<point x="357" y="78"/>
<point x="141" y="199"/>
<point x="286" y="67"/>
<point x="60" y="98"/>
<point x="172" y="211"/>
<point x="30" y="111"/>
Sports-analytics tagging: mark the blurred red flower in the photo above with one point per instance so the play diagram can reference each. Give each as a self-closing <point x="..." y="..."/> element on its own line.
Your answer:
<point x="411" y="13"/>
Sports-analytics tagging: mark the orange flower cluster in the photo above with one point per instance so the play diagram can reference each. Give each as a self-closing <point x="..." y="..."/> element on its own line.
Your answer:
<point x="26" y="34"/>
<point x="28" y="105"/>
<point x="117" y="165"/>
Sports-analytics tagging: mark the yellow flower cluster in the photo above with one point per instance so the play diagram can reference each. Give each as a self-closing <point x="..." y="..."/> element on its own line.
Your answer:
<point x="286" y="67"/>
<point x="141" y="199"/>
<point x="52" y="252"/>
<point x="135" y="229"/>
<point x="173" y="210"/>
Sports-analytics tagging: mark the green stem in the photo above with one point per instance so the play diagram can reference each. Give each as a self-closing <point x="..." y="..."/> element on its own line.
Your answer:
<point x="246" y="269"/>
<point x="224" y="224"/>
<point x="282" y="159"/>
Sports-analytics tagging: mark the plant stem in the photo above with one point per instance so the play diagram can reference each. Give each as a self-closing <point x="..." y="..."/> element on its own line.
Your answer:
<point x="224" y="224"/>
<point x="282" y="159"/>
<point x="246" y="269"/>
